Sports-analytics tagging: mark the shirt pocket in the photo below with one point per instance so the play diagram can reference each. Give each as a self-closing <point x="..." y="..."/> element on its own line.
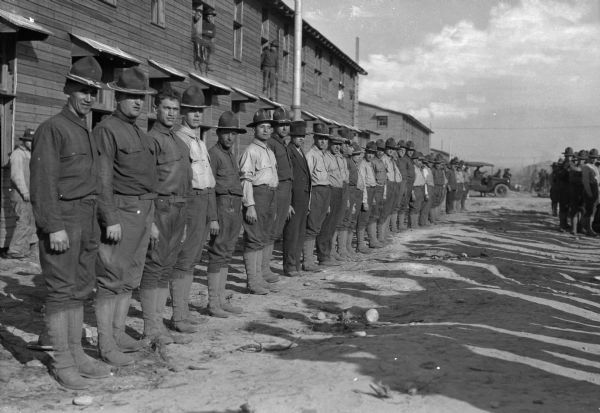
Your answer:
<point x="74" y="164"/>
<point x="169" y="156"/>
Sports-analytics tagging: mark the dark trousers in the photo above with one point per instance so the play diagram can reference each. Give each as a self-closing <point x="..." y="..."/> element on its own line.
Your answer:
<point x="221" y="246"/>
<point x="120" y="265"/>
<point x="24" y="232"/>
<point x="294" y="233"/>
<point x="330" y="223"/>
<point x="590" y="202"/>
<point x="417" y="202"/>
<point x="70" y="275"/>
<point x="377" y="206"/>
<point x="450" y="195"/>
<point x="406" y="198"/>
<point x="284" y="199"/>
<point x="387" y="205"/>
<point x="196" y="229"/>
<point x="351" y="213"/>
<point x="400" y="194"/>
<point x="438" y="195"/>
<point x="364" y="216"/>
<point x="258" y="234"/>
<point x="576" y="201"/>
<point x="345" y="206"/>
<point x="169" y="217"/>
<point x="319" y="201"/>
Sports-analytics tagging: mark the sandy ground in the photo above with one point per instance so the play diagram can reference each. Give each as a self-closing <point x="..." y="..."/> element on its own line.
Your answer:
<point x="491" y="310"/>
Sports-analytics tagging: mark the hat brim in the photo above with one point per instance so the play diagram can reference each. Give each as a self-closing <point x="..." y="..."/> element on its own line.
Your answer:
<point x="292" y="135"/>
<point x="321" y="135"/>
<point x="26" y="138"/>
<point x="230" y="129"/>
<point x="283" y="122"/>
<point x="86" y="81"/>
<point x="149" y="91"/>
<point x="253" y="124"/>
<point x="391" y="147"/>
<point x="183" y="105"/>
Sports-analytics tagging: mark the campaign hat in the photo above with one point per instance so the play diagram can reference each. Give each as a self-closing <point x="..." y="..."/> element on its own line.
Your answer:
<point x="229" y="121"/>
<point x="132" y="80"/>
<point x="298" y="128"/>
<point x="410" y="146"/>
<point x="593" y="153"/>
<point x="261" y="116"/>
<point x="417" y="155"/>
<point x="390" y="143"/>
<point x="320" y="130"/>
<point x="371" y="147"/>
<point x="281" y="116"/>
<point x="454" y="161"/>
<point x="582" y="154"/>
<point x="193" y="97"/>
<point x="569" y="151"/>
<point x="380" y="144"/>
<point x="356" y="149"/>
<point x="28" y="135"/>
<point x="401" y="144"/>
<point x="86" y="71"/>
<point x="335" y="139"/>
<point x="345" y="134"/>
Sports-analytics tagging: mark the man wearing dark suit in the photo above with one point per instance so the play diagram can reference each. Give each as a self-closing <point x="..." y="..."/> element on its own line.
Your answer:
<point x="295" y="228"/>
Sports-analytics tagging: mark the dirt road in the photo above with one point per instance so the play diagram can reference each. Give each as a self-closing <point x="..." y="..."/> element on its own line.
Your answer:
<point x="492" y="310"/>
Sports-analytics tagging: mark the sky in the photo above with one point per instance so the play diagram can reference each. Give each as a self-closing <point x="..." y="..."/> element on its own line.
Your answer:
<point x="511" y="82"/>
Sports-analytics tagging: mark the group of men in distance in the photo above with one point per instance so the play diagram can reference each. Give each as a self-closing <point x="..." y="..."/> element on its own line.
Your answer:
<point x="119" y="209"/>
<point x="575" y="181"/>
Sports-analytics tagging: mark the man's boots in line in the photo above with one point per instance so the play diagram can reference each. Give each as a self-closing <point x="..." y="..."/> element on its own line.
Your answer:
<point x="107" y="346"/>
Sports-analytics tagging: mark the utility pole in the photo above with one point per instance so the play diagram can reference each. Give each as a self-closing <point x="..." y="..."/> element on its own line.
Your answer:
<point x="296" y="95"/>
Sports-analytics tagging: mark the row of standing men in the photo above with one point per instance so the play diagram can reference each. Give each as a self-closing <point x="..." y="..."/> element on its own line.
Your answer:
<point x="119" y="209"/>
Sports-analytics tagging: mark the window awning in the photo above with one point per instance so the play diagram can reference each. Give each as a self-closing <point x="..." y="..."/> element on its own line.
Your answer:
<point x="271" y="103"/>
<point x="381" y="115"/>
<point x="240" y="95"/>
<point x="162" y="71"/>
<point x="217" y="88"/>
<point x="25" y="28"/>
<point x="308" y="116"/>
<point x="84" y="46"/>
<point x="324" y="119"/>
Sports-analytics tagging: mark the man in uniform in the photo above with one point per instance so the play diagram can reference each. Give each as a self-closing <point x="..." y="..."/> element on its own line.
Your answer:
<point x="277" y="143"/>
<point x="419" y="191"/>
<point x="452" y="185"/>
<point x="64" y="187"/>
<point x="24" y="233"/>
<point x="563" y="188"/>
<point x="295" y="228"/>
<point x="201" y="208"/>
<point x="174" y="183"/>
<point x="367" y="175"/>
<point x="591" y="179"/>
<point x="258" y="173"/>
<point x="126" y="210"/>
<point x="337" y="172"/>
<point x="394" y="177"/>
<point x="269" y="63"/>
<point x="438" y="188"/>
<point x="406" y="167"/>
<point x="352" y="199"/>
<point x="320" y="193"/>
<point x="429" y="185"/>
<point x="228" y="190"/>
<point x="400" y="162"/>
<point x="380" y="169"/>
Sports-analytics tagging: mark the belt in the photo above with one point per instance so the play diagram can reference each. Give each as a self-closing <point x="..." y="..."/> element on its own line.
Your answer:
<point x="199" y="191"/>
<point x="317" y="186"/>
<point x="143" y="197"/>
<point x="174" y="199"/>
<point x="271" y="188"/>
<point x="85" y="198"/>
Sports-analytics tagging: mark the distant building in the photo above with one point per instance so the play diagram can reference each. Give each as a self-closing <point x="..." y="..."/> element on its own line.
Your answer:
<point x="391" y="123"/>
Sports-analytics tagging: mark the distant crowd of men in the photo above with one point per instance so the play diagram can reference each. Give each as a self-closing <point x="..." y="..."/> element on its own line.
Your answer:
<point x="118" y="209"/>
<point x="575" y="180"/>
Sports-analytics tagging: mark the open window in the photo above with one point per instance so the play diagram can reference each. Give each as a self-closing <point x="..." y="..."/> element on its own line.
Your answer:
<point x="238" y="29"/>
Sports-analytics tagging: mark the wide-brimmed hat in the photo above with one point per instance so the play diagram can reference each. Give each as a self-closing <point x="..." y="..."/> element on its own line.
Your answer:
<point x="454" y="161"/>
<point x="320" y="130"/>
<point x="593" y="153"/>
<point x="261" y="116"/>
<point x="132" y="80"/>
<point x="336" y="140"/>
<point x="409" y="145"/>
<point x="582" y="154"/>
<point x="281" y="116"/>
<point x="28" y="135"/>
<point x="209" y="11"/>
<point x="568" y="151"/>
<point x="380" y="144"/>
<point x="390" y="143"/>
<point x="193" y="97"/>
<point x="371" y="147"/>
<point x="230" y="122"/>
<point x="356" y="149"/>
<point x="298" y="128"/>
<point x="345" y="134"/>
<point x="86" y="71"/>
<point x="417" y="155"/>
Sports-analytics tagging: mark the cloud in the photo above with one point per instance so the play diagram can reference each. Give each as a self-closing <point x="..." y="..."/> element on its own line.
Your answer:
<point x="534" y="53"/>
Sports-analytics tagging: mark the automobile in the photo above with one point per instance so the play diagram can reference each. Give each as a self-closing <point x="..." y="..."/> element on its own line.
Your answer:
<point x="485" y="182"/>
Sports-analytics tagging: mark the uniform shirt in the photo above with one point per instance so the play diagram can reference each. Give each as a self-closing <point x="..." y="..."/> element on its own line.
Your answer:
<point x="451" y="177"/>
<point x="380" y="171"/>
<point x="284" y="164"/>
<point x="64" y="166"/>
<point x="316" y="165"/>
<point x="336" y="169"/>
<point x="419" y="177"/>
<point x="352" y="171"/>
<point x="258" y="166"/>
<point x="406" y="167"/>
<point x="226" y="171"/>
<point x="127" y="165"/>
<point x="19" y="169"/>
<point x="460" y="178"/>
<point x="439" y="178"/>
<point x="208" y="30"/>
<point x="428" y="174"/>
<point x="173" y="162"/>
<point x="393" y="173"/>
<point x="367" y="175"/>
<point x="202" y="176"/>
<point x="269" y="58"/>
<point x="590" y="175"/>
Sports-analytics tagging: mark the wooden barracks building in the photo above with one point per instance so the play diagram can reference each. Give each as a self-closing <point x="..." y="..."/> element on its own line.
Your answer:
<point x="40" y="39"/>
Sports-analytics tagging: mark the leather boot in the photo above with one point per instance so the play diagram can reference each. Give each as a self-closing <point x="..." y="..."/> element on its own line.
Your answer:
<point x="413" y="221"/>
<point x="586" y="225"/>
<point x="63" y="369"/>
<point x="394" y="222"/>
<point x="107" y="346"/>
<point x="372" y="233"/>
<point x="125" y="343"/>
<point x="87" y="366"/>
<point x="562" y="218"/>
<point x="334" y="254"/>
<point x="148" y="300"/>
<point x="361" y="244"/>
<point x="401" y="221"/>
<point x="214" y="295"/>
<point x="381" y="233"/>
<point x="268" y="275"/>
<point x="253" y="284"/>
<point x="342" y="239"/>
<point x="225" y="305"/>
<point x="309" y="261"/>
<point x="165" y="337"/>
<point x="180" y="297"/>
<point x="349" y="243"/>
<point x="272" y="287"/>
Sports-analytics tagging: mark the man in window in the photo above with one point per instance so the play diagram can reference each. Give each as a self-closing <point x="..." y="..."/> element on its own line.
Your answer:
<point x="64" y="188"/>
<point x="269" y="63"/>
<point x="203" y="33"/>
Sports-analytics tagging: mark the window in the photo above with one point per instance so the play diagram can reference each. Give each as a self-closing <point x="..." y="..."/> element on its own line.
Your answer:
<point x="330" y="89"/>
<point x="318" y="73"/>
<point x="382" y="122"/>
<point x="341" y="86"/>
<point x="238" y="34"/>
<point x="7" y="65"/>
<point x="264" y="26"/>
<point x="304" y="57"/>
<point x="286" y="62"/>
<point x="158" y="12"/>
